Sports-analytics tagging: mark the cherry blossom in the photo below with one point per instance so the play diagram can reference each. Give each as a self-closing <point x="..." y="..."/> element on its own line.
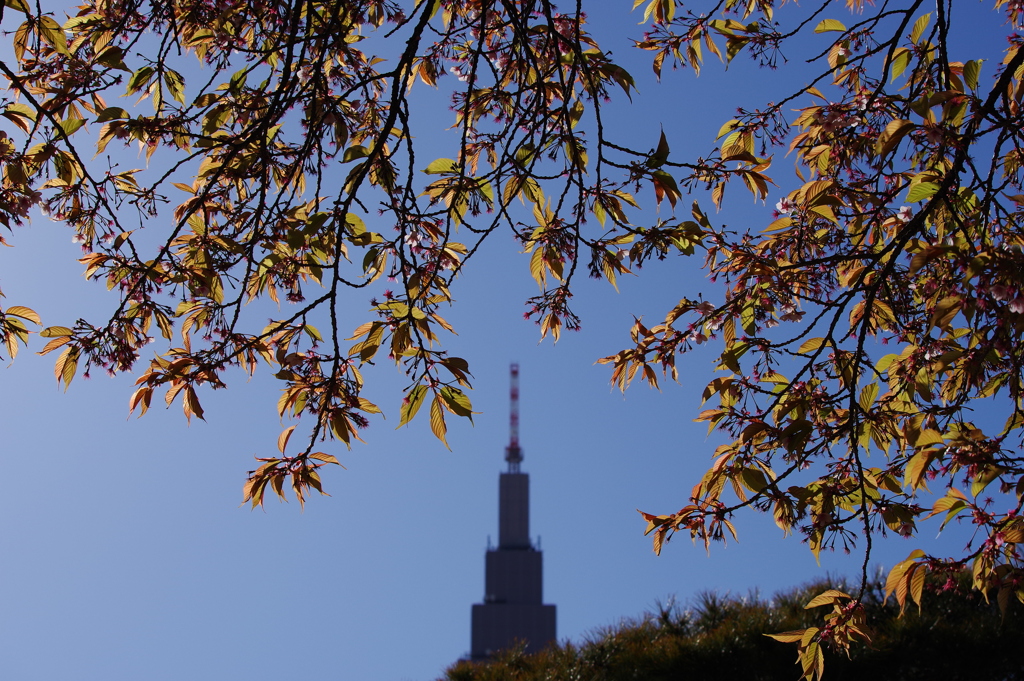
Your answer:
<point x="785" y="206"/>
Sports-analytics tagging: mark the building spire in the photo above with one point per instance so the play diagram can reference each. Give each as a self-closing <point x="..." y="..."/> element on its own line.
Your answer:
<point x="513" y="454"/>
<point x="513" y="611"/>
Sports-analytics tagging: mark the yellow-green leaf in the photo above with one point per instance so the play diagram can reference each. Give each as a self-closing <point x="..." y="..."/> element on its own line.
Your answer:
<point x="922" y="191"/>
<point x="53" y="33"/>
<point x="442" y="166"/>
<point x="411" y="404"/>
<point x="810" y="344"/>
<point x="972" y="70"/>
<point x="18" y="5"/>
<point x="827" y="25"/>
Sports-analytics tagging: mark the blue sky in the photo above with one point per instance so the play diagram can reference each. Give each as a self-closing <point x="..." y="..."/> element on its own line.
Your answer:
<point x="125" y="553"/>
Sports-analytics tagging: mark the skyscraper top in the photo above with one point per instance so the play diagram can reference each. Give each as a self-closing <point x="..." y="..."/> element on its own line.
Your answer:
<point x="513" y="454"/>
<point x="513" y="609"/>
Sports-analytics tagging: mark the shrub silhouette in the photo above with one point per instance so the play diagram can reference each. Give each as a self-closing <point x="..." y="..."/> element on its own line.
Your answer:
<point x="956" y="636"/>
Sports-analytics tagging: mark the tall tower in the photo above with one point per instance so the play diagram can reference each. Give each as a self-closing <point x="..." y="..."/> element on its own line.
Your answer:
<point x="513" y="608"/>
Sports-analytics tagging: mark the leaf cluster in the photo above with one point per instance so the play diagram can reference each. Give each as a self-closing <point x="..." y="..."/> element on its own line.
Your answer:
<point x="875" y="312"/>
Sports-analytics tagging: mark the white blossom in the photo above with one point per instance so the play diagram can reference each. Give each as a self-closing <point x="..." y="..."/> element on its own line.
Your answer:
<point x="785" y="206"/>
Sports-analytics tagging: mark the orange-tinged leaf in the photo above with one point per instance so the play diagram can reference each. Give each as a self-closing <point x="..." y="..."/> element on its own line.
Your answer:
<point x="342" y="429"/>
<point x="282" y="439"/>
<point x="437" y="424"/>
<point x="250" y="491"/>
<point x="277" y="483"/>
<point x="140" y="398"/>
<point x="190" y="404"/>
<point x="54" y="344"/>
<point x="327" y="458"/>
<point x="23" y="312"/>
<point x="917" y="467"/>
<point x="917" y="584"/>
<point x="902" y="588"/>
<point x="891" y="136"/>
<point x="659" y="539"/>
<point x="897" y="581"/>
<point x="64" y="368"/>
<point x="732" y="530"/>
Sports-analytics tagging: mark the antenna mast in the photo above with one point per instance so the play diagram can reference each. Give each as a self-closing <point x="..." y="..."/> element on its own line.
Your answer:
<point x="513" y="454"/>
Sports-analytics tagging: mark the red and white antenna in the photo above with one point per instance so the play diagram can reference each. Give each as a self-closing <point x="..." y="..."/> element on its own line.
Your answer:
<point x="513" y="454"/>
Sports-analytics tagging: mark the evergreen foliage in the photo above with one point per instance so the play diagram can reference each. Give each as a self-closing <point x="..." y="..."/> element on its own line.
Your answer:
<point x="956" y="635"/>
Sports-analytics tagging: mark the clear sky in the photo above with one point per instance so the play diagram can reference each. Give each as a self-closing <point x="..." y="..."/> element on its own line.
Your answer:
<point x="124" y="553"/>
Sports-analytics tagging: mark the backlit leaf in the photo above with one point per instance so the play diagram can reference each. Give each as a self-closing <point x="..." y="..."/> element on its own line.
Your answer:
<point x="282" y="440"/>
<point x="922" y="191"/>
<point x="437" y="423"/>
<point x="411" y="404"/>
<point x="53" y="33"/>
<point x="826" y="25"/>
<point x="24" y="313"/>
<point x="442" y="166"/>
